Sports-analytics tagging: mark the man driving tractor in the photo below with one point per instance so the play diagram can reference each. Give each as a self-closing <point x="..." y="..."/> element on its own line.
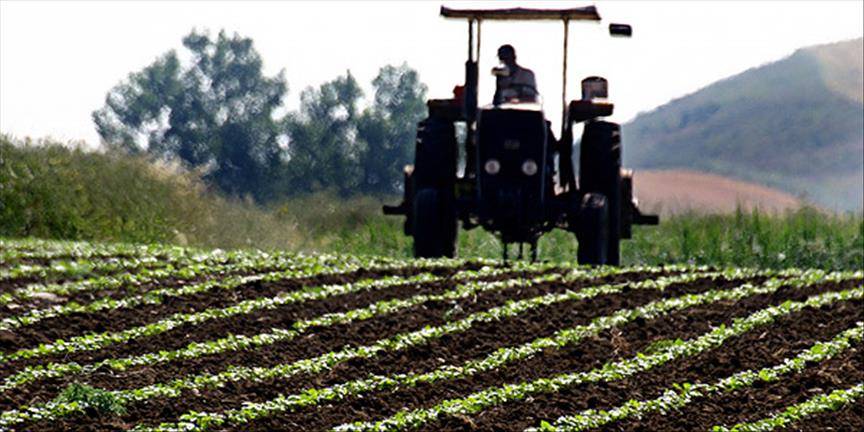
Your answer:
<point x="514" y="83"/>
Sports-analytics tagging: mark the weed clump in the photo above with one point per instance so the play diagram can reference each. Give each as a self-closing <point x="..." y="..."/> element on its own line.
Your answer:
<point x="93" y="399"/>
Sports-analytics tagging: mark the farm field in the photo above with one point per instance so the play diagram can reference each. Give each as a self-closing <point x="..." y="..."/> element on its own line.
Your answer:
<point x="161" y="338"/>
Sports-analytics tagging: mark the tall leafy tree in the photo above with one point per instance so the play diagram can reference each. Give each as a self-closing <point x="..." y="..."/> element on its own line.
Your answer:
<point x="217" y="112"/>
<point x="322" y="148"/>
<point x="386" y="130"/>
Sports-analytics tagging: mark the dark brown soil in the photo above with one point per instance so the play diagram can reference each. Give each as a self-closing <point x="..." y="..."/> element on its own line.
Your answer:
<point x="327" y="339"/>
<point x="757" y="349"/>
<point x="281" y="317"/>
<point x="624" y="342"/>
<point x="850" y="418"/>
<point x="756" y="402"/>
<point x="63" y="327"/>
<point x="782" y="339"/>
<point x="23" y="305"/>
<point x="483" y="338"/>
<point x="316" y="342"/>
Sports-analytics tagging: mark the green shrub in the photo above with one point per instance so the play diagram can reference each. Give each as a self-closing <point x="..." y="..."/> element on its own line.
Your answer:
<point x="99" y="400"/>
<point x="62" y="191"/>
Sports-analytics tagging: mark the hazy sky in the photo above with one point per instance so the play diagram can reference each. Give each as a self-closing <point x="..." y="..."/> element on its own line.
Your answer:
<point x="58" y="59"/>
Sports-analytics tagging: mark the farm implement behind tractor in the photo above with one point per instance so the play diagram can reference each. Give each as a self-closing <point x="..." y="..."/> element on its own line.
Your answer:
<point x="519" y="181"/>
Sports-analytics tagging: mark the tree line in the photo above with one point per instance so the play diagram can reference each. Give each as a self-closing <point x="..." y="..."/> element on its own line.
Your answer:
<point x="218" y="113"/>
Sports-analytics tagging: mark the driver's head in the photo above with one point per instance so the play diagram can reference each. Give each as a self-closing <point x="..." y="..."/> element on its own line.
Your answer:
<point x="507" y="54"/>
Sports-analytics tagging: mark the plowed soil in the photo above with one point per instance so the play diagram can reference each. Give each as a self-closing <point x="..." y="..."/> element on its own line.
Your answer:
<point x="756" y="349"/>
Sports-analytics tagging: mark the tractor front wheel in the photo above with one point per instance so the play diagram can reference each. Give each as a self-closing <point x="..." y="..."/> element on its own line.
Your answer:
<point x="434" y="225"/>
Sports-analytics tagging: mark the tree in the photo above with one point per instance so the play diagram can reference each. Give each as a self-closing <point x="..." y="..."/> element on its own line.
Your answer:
<point x="386" y="130"/>
<point x="217" y="113"/>
<point x="322" y="148"/>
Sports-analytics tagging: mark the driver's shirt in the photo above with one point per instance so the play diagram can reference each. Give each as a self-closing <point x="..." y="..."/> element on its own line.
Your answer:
<point x="519" y="84"/>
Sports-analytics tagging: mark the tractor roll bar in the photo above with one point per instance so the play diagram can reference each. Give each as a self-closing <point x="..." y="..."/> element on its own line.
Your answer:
<point x="587" y="13"/>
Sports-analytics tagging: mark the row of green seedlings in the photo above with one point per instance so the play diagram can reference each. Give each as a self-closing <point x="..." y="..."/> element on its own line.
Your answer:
<point x="102" y="340"/>
<point x="495" y="360"/>
<point x="818" y="404"/>
<point x="241" y="342"/>
<point x="149" y="257"/>
<point x="15" y="250"/>
<point x="216" y="264"/>
<point x="497" y="395"/>
<point x="76" y="269"/>
<point x="173" y="389"/>
<point x="680" y="395"/>
<point x="448" y="372"/>
<point x="85" y="273"/>
<point x="78" y="262"/>
<point x="295" y="267"/>
<point x="83" y="267"/>
<point x="329" y="360"/>
<point x="159" y="259"/>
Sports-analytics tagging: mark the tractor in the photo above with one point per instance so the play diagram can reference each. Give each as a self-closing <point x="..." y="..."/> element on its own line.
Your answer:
<point x="500" y="166"/>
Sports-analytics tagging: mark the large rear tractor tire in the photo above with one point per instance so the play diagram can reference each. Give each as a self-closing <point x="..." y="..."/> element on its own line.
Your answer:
<point x="593" y="232"/>
<point x="600" y="172"/>
<point x="434" y="224"/>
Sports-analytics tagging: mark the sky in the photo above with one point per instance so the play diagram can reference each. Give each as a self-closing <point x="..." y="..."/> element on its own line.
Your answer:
<point x="58" y="59"/>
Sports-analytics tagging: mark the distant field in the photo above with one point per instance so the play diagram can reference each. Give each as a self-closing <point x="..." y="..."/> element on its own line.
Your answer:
<point x="676" y="191"/>
<point x="152" y="338"/>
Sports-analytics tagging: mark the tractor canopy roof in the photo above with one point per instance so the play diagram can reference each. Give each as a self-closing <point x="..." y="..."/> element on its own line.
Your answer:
<point x="587" y="13"/>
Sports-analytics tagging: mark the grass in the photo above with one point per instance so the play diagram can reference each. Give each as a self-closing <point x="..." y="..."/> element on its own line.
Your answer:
<point x="61" y="191"/>
<point x="52" y="190"/>
<point x="800" y="238"/>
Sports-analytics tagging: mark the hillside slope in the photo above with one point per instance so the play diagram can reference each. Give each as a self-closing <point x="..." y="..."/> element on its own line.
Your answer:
<point x="796" y="124"/>
<point x="675" y="191"/>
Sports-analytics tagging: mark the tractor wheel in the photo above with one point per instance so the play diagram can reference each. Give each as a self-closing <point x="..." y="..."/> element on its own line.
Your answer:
<point x="434" y="225"/>
<point x="593" y="232"/>
<point x="435" y="154"/>
<point x="600" y="172"/>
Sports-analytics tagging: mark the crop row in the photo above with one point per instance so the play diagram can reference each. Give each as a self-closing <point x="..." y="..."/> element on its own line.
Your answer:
<point x="201" y="265"/>
<point x="681" y="394"/>
<point x="236" y="342"/>
<point x="95" y="341"/>
<point x="175" y="260"/>
<point x="53" y="408"/>
<point x="497" y="395"/>
<point x="196" y="266"/>
<point x="76" y="263"/>
<point x="19" y="249"/>
<point x="815" y="405"/>
<point x="398" y="342"/>
<point x="91" y="342"/>
<point x="298" y="267"/>
<point x="78" y="268"/>
<point x="309" y="264"/>
<point x="395" y="343"/>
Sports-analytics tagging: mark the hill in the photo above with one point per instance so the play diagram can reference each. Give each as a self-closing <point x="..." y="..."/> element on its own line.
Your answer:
<point x="796" y="124"/>
<point x="677" y="191"/>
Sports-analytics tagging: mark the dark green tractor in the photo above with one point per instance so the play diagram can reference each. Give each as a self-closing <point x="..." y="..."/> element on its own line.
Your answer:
<point x="518" y="179"/>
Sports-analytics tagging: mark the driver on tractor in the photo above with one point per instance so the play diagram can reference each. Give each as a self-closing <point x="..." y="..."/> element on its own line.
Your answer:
<point x="514" y="83"/>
